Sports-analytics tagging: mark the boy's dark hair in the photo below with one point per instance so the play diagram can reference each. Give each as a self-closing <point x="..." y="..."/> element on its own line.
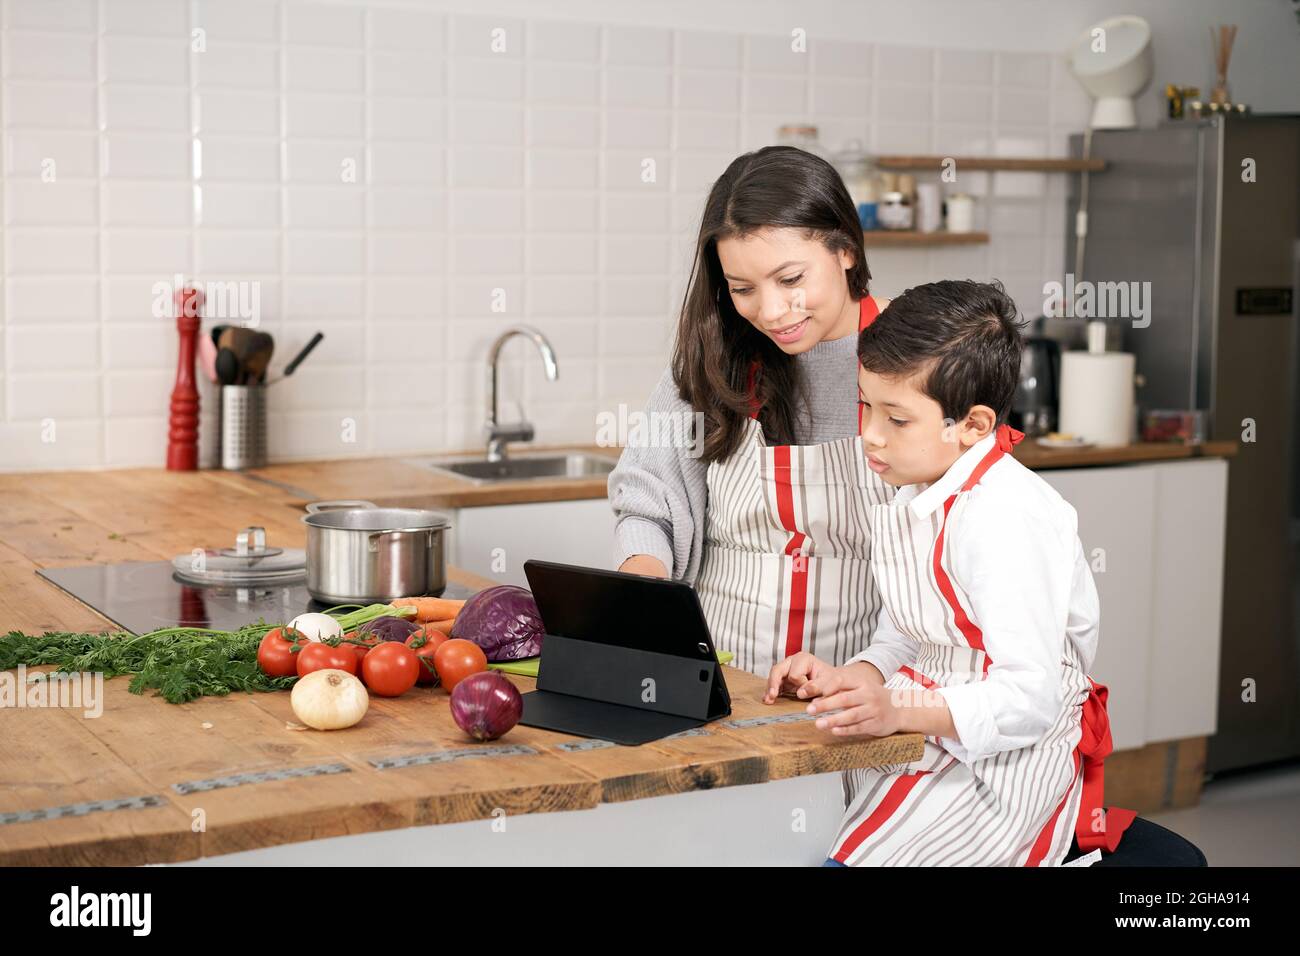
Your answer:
<point x="966" y="331"/>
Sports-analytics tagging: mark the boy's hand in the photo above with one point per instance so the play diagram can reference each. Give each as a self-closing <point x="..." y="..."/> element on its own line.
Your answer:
<point x="792" y="675"/>
<point x="864" y="706"/>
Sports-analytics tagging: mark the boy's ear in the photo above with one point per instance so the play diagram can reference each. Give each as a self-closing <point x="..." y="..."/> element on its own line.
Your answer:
<point x="980" y="423"/>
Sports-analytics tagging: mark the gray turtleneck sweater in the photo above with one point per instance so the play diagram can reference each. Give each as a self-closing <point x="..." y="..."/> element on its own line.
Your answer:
<point x="659" y="493"/>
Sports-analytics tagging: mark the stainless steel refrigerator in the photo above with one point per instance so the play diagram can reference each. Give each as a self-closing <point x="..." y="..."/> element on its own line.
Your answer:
<point x="1208" y="211"/>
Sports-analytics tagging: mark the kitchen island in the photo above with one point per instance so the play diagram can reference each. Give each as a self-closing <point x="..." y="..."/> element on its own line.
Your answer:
<point x="236" y="779"/>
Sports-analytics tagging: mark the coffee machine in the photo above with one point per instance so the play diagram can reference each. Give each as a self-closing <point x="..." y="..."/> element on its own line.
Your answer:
<point x="1033" y="410"/>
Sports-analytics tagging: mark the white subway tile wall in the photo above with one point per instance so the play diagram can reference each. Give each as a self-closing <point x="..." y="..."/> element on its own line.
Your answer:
<point x="411" y="182"/>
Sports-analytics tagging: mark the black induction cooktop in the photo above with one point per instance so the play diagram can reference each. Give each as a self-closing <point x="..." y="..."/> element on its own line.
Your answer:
<point x="143" y="596"/>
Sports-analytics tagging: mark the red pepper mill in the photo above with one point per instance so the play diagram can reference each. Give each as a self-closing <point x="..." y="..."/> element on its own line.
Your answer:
<point x="183" y="428"/>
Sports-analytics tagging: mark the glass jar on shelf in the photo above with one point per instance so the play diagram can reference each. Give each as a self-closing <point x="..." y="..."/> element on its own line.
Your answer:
<point x="860" y="178"/>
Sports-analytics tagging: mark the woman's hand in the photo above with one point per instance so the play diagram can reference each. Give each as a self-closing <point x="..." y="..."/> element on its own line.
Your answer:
<point x="645" y="564"/>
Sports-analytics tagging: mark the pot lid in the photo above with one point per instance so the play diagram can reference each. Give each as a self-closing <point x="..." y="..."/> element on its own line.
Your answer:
<point x="249" y="563"/>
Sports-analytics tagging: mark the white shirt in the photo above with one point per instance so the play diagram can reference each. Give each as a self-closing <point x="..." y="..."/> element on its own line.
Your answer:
<point x="1012" y="549"/>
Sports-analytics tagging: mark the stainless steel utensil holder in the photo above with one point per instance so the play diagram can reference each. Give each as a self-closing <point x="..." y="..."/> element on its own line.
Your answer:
<point x="241" y="427"/>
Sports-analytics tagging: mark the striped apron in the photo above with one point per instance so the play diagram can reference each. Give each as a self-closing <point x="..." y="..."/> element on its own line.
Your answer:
<point x="787" y="547"/>
<point x="1016" y="808"/>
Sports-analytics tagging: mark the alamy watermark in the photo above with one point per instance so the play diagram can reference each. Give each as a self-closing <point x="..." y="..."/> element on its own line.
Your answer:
<point x="55" y="689"/>
<point x="1098" y="300"/>
<point x="238" y="302"/>
<point x="639" y="429"/>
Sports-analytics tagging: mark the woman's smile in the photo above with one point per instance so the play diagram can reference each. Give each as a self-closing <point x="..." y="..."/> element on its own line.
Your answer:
<point x="790" y="334"/>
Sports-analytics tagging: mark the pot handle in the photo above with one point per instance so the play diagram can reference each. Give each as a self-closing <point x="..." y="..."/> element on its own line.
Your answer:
<point x="372" y="539"/>
<point x="314" y="507"/>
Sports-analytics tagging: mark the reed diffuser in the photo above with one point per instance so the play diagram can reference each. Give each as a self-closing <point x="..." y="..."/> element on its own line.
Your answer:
<point x="1221" y="39"/>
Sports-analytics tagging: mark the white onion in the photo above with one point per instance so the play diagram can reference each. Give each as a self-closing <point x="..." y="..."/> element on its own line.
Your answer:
<point x="316" y="626"/>
<point x="329" y="699"/>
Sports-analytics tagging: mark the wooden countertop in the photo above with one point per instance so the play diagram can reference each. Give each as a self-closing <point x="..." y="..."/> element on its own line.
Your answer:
<point x="392" y="480"/>
<point x="139" y="774"/>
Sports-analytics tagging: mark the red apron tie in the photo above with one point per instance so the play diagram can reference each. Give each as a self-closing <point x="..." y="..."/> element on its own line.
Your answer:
<point x="1007" y="437"/>
<point x="1096" y="827"/>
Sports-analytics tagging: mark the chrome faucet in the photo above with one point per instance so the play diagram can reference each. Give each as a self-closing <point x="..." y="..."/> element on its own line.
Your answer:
<point x="497" y="434"/>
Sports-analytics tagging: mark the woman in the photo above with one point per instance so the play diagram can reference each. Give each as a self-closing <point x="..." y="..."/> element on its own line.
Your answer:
<point x="766" y="511"/>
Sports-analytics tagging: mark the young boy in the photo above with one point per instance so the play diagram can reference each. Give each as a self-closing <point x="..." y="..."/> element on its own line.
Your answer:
<point x="991" y="619"/>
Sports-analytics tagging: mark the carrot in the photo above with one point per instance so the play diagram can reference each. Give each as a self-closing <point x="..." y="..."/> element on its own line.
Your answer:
<point x="442" y="627"/>
<point x="429" y="609"/>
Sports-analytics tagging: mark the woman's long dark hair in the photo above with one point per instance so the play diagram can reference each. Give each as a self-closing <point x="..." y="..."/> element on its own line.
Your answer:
<point x="772" y="187"/>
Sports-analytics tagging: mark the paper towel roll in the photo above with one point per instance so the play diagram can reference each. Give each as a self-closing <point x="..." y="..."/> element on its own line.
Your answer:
<point x="1097" y="396"/>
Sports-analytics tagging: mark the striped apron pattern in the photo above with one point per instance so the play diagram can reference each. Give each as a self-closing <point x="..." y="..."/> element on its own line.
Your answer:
<point x="787" y="548"/>
<point x="1015" y="808"/>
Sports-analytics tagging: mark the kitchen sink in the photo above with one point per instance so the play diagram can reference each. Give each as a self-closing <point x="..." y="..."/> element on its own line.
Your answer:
<point x="522" y="467"/>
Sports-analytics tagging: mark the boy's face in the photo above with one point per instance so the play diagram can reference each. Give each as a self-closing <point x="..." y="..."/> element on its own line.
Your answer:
<point x="904" y="434"/>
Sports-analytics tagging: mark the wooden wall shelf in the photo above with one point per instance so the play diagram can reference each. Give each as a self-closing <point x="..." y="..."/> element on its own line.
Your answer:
<point x="888" y="237"/>
<point x="995" y="163"/>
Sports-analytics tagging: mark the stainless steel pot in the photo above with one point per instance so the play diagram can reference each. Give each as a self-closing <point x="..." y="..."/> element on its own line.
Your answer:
<point x="359" y="553"/>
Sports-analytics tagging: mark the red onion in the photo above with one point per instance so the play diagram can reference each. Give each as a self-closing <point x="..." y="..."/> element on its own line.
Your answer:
<point x="486" y="705"/>
<point x="388" y="628"/>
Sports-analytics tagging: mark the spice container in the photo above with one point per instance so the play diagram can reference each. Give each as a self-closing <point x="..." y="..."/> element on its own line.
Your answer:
<point x="961" y="213"/>
<point x="895" y="211"/>
<point x="929" y="211"/>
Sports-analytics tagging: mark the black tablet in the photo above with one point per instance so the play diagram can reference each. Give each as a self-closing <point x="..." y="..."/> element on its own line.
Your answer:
<point x="625" y="657"/>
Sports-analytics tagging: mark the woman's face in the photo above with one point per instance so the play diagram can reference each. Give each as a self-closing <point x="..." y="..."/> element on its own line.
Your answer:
<point x="791" y="288"/>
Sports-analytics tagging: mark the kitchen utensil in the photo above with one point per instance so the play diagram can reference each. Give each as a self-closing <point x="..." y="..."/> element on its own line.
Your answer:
<point x="241" y="425"/>
<point x="358" y="552"/>
<point x="261" y="346"/>
<point x="250" y="563"/>
<point x="226" y="367"/>
<point x="298" y="359"/>
<point x="183" y="423"/>
<point x="207" y="358"/>
<point x="243" y="342"/>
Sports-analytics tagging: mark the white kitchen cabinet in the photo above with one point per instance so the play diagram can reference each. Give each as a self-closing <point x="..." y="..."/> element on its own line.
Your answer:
<point x="1186" y="627"/>
<point x="1161" y="527"/>
<point x="1116" y="508"/>
<point x="496" y="540"/>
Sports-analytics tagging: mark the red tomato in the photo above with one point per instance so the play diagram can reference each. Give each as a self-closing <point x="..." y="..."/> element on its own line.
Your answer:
<point x="456" y="659"/>
<point x="275" y="655"/>
<point x="319" y="657"/>
<point x="361" y="649"/>
<point x="390" y="669"/>
<point x="433" y="639"/>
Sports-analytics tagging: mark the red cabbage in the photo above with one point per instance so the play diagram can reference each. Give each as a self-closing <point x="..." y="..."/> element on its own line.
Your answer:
<point x="503" y="621"/>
